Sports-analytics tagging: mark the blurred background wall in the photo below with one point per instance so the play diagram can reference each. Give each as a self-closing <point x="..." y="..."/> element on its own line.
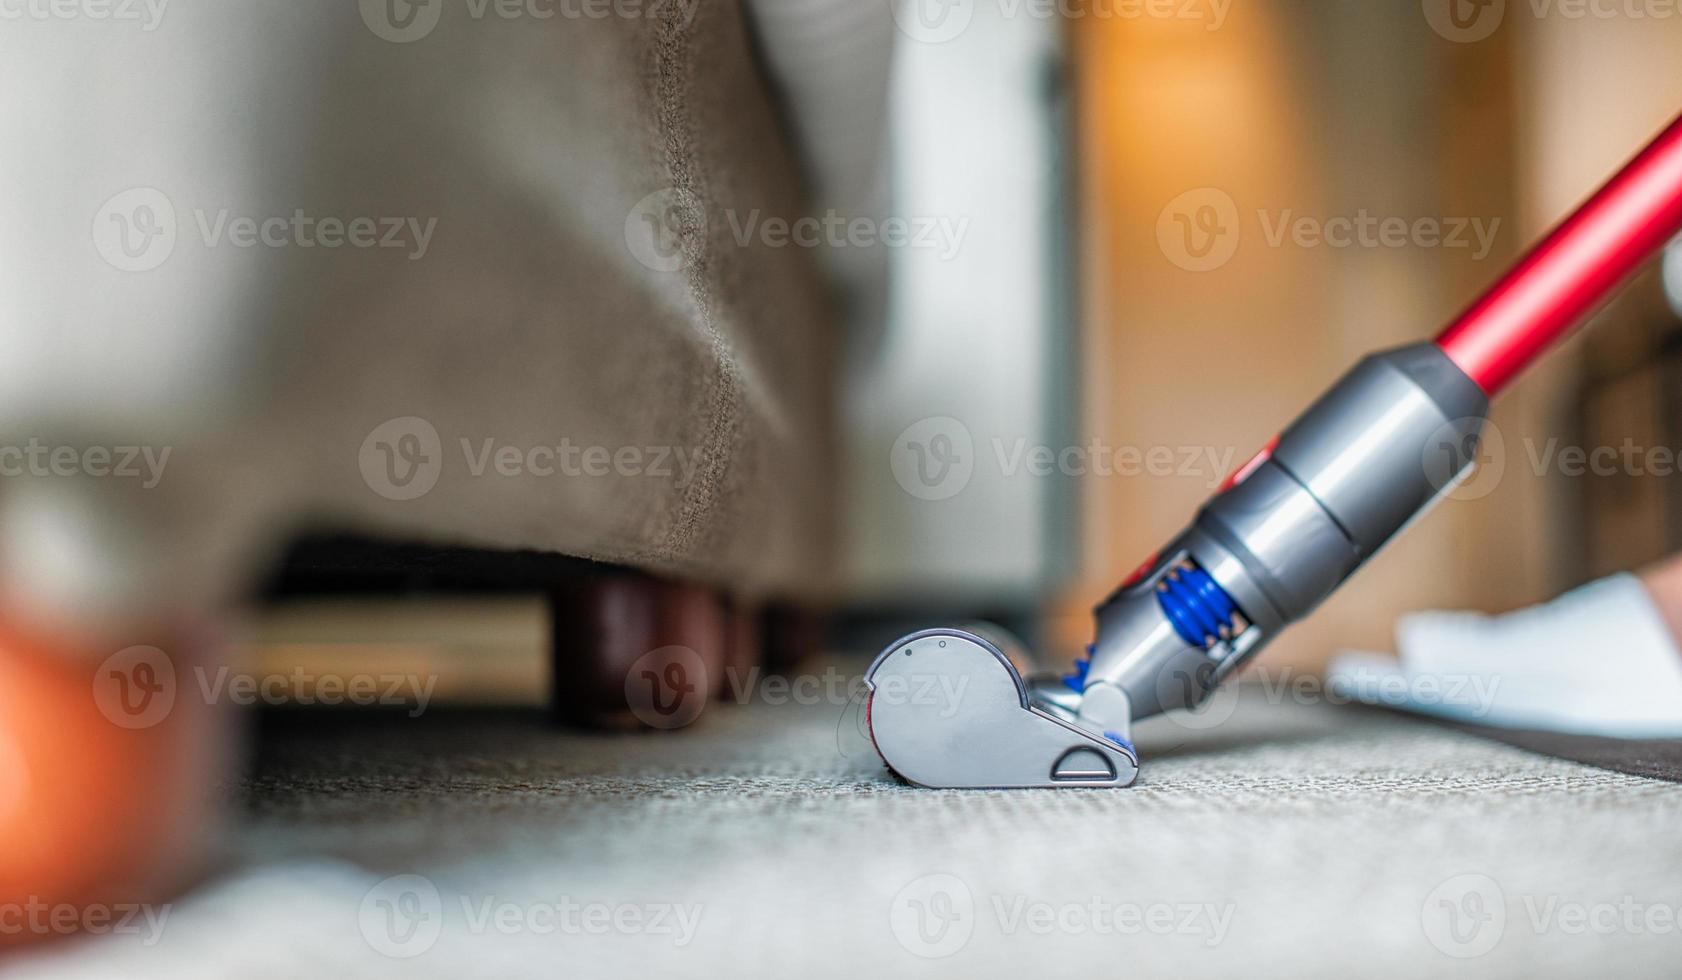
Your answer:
<point x="974" y="356"/>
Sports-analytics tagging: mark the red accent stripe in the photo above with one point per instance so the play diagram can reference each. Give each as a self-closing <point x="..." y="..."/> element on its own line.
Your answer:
<point x="1243" y="472"/>
<point x="1574" y="269"/>
<point x="1143" y="569"/>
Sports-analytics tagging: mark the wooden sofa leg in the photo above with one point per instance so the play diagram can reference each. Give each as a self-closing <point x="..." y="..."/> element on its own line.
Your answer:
<point x="629" y="650"/>
<point x="792" y="635"/>
<point x="744" y="652"/>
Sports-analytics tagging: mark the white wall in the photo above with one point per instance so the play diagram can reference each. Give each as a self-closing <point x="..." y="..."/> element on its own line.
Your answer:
<point x="970" y="334"/>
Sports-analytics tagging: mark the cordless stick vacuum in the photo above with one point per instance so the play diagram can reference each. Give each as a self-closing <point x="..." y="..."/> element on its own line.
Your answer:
<point x="948" y="708"/>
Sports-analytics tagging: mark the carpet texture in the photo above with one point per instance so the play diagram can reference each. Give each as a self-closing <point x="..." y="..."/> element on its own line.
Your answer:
<point x="1655" y="758"/>
<point x="1288" y="838"/>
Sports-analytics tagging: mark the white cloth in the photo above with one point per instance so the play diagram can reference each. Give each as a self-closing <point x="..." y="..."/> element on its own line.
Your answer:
<point x="1596" y="661"/>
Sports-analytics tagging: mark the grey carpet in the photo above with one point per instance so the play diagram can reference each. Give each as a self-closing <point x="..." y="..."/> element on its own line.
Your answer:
<point x="1288" y="839"/>
<point x="1654" y="758"/>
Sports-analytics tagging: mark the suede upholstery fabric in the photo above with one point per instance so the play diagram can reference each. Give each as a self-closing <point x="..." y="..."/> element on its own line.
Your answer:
<point x="542" y="154"/>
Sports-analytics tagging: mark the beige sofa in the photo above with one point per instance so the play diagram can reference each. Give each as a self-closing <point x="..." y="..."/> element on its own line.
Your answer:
<point x="449" y="272"/>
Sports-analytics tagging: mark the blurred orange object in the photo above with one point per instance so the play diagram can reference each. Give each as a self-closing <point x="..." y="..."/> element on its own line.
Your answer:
<point x="107" y="766"/>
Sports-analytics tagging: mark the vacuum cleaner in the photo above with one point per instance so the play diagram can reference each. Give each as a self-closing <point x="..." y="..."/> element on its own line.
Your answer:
<point x="1387" y="441"/>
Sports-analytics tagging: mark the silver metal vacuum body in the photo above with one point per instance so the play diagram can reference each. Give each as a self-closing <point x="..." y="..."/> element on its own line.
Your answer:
<point x="1366" y="459"/>
<point x="948" y="709"/>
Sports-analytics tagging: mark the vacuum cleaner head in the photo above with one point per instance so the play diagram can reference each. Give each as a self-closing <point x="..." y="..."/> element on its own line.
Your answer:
<point x="948" y="709"/>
